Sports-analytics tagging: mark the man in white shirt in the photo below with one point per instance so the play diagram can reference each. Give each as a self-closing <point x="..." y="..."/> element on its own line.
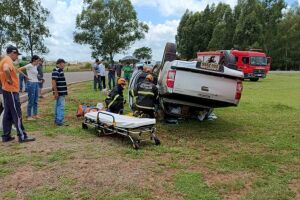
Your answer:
<point x="102" y="73"/>
<point x="97" y="76"/>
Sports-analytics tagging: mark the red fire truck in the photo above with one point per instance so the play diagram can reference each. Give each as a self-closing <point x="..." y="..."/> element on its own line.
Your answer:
<point x="253" y="64"/>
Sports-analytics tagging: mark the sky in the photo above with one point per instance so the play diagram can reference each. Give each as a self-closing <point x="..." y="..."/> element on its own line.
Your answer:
<point x="162" y="17"/>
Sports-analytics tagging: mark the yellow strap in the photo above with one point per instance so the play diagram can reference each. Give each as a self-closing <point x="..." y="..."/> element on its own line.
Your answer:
<point x="145" y="107"/>
<point x="146" y="93"/>
<point x="113" y="101"/>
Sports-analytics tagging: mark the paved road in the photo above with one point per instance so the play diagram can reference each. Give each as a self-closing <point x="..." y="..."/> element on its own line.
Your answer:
<point x="70" y="77"/>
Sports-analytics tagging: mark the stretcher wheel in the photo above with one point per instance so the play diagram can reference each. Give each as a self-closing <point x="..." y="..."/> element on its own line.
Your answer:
<point x="84" y="126"/>
<point x="156" y="141"/>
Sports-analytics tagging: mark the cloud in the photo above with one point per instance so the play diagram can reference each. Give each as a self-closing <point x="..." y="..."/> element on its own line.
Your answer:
<point x="62" y="25"/>
<point x="156" y="38"/>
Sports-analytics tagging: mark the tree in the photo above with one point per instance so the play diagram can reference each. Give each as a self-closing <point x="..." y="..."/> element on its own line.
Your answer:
<point x="184" y="46"/>
<point x="249" y="28"/>
<point x="108" y="26"/>
<point x="143" y="53"/>
<point x="7" y="14"/>
<point x="31" y="27"/>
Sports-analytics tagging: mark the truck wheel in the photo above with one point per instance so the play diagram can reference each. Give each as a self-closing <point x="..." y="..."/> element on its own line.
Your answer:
<point x="254" y="79"/>
<point x="169" y="53"/>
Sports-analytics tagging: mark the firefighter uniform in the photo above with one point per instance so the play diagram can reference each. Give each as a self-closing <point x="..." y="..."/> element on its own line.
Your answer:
<point x="147" y="96"/>
<point x="115" y="99"/>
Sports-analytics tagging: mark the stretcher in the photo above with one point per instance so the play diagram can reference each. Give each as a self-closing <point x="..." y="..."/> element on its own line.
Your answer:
<point x="107" y="123"/>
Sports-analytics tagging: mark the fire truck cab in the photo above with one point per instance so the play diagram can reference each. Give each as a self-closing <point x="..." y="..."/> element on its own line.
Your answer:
<point x="253" y="64"/>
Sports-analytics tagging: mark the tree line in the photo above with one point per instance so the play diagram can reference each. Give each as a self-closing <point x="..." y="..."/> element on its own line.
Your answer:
<point x="252" y="24"/>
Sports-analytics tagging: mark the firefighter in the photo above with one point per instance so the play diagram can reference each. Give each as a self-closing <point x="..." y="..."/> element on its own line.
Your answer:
<point x="115" y="99"/>
<point x="147" y="96"/>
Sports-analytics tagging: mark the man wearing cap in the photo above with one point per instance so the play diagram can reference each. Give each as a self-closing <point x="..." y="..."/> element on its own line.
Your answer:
<point x="60" y="90"/>
<point x="12" y="106"/>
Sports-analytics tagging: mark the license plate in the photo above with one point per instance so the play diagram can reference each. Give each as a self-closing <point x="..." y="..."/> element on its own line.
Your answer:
<point x="211" y="66"/>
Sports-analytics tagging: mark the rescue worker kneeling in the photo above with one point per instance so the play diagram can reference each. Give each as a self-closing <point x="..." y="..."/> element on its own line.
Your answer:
<point x="147" y="96"/>
<point x="115" y="99"/>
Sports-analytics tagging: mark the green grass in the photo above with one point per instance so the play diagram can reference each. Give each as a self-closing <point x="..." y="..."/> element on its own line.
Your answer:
<point x="260" y="137"/>
<point x="193" y="187"/>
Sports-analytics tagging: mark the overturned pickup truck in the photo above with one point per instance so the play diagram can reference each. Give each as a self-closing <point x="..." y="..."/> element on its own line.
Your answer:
<point x="191" y="88"/>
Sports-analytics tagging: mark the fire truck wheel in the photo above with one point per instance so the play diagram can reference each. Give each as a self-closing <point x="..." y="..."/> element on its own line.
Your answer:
<point x="254" y="79"/>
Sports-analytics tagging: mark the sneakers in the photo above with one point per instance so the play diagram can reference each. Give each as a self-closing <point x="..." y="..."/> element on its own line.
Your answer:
<point x="27" y="139"/>
<point x="30" y="119"/>
<point x="8" y="139"/>
<point x="36" y="117"/>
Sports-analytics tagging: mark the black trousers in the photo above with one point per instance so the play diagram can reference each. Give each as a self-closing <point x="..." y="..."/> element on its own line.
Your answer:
<point x="12" y="115"/>
<point x="97" y="81"/>
<point x="103" y="82"/>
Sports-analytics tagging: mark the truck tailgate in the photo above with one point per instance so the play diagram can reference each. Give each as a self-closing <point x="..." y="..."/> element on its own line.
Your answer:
<point x="205" y="86"/>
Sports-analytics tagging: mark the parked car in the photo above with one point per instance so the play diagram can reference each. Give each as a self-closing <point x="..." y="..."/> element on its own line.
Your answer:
<point x="188" y="88"/>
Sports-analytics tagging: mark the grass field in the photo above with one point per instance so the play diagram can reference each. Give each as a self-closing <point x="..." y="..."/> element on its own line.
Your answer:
<point x="250" y="152"/>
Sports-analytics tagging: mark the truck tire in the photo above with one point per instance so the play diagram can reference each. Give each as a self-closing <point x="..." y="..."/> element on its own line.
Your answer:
<point x="254" y="79"/>
<point x="169" y="53"/>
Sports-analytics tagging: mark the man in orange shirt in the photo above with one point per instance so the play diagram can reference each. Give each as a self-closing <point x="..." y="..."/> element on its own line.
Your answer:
<point x="12" y="106"/>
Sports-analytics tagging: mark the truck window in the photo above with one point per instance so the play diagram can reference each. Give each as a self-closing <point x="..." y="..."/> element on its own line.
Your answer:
<point x="245" y="60"/>
<point x="258" y="60"/>
<point x="236" y="59"/>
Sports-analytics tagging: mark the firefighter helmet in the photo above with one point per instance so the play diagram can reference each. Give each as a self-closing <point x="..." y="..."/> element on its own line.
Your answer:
<point x="121" y="81"/>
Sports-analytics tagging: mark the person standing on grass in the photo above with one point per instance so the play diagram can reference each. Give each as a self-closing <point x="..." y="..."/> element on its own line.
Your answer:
<point x="32" y="87"/>
<point x="22" y="76"/>
<point x="127" y="71"/>
<point x="60" y="90"/>
<point x="12" y="105"/>
<point x="119" y="69"/>
<point x="102" y="73"/>
<point x="111" y="76"/>
<point x="41" y="77"/>
<point x="97" y="75"/>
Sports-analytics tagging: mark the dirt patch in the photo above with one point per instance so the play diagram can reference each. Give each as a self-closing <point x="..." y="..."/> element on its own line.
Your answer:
<point x="93" y="163"/>
<point x="295" y="186"/>
<point x="25" y="178"/>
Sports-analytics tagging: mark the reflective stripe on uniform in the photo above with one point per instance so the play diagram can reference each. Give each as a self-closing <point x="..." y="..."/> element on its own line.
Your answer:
<point x="146" y="93"/>
<point x="132" y="93"/>
<point x="144" y="107"/>
<point x="113" y="101"/>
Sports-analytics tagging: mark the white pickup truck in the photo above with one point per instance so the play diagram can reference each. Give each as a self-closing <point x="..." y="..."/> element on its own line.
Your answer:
<point x="187" y="88"/>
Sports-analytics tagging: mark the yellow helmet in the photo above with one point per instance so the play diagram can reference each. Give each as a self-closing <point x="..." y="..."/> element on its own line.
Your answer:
<point x="149" y="77"/>
<point x="121" y="81"/>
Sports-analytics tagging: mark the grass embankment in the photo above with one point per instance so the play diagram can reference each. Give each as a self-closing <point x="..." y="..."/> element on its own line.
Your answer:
<point x="249" y="152"/>
<point x="70" y="67"/>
